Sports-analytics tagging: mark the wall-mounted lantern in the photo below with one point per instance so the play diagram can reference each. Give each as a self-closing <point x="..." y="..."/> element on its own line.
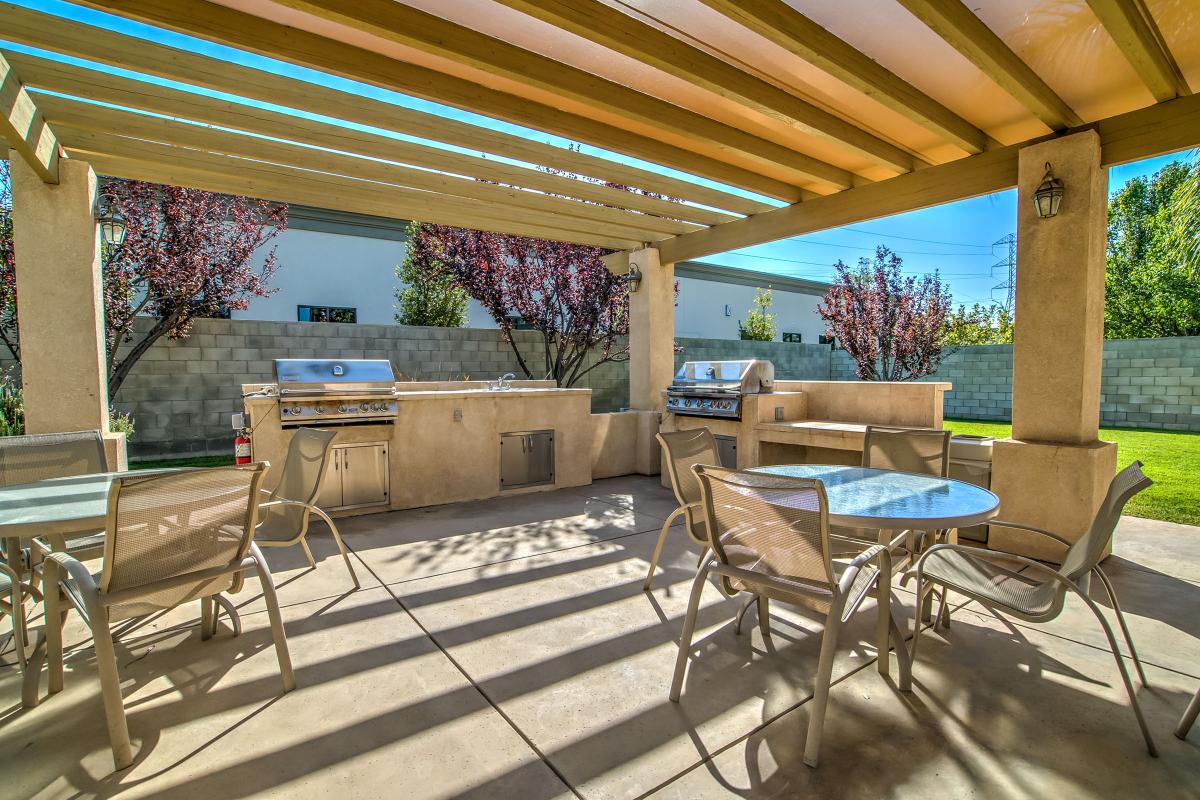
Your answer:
<point x="633" y="278"/>
<point x="1048" y="196"/>
<point x="112" y="226"/>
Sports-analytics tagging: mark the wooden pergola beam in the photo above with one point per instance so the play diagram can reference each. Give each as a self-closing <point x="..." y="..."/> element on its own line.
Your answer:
<point x="70" y="115"/>
<point x="773" y="164"/>
<point x="24" y="127"/>
<point x="428" y="33"/>
<point x="781" y="24"/>
<point x="68" y="37"/>
<point x="1164" y="128"/>
<point x="624" y="34"/>
<point x="150" y="161"/>
<point x="105" y="87"/>
<point x="1132" y="27"/>
<point x="967" y="33"/>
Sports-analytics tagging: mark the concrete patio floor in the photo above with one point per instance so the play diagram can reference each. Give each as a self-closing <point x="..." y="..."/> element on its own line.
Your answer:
<point x="505" y="649"/>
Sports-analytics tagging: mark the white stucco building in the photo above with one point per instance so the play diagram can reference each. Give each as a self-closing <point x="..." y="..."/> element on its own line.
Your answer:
<point x="334" y="265"/>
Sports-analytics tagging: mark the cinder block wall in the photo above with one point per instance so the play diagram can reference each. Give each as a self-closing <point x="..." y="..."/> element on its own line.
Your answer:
<point x="1146" y="383"/>
<point x="182" y="393"/>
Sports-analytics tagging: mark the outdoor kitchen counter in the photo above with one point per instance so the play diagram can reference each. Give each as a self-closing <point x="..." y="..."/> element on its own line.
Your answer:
<point x="499" y="394"/>
<point x="443" y="445"/>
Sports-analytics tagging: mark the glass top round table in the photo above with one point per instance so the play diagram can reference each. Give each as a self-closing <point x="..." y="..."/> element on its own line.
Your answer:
<point x="861" y="497"/>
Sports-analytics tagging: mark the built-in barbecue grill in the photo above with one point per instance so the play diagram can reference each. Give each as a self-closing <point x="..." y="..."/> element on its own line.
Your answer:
<point x="324" y="391"/>
<point x="715" y="388"/>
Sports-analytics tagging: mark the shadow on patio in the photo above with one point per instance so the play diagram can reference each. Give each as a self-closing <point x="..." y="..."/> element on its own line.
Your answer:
<point x="505" y="649"/>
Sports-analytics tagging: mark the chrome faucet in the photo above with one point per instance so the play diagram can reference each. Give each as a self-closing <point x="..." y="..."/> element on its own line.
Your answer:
<point x="501" y="384"/>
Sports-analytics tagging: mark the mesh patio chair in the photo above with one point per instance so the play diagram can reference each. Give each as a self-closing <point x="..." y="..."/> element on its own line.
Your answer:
<point x="769" y="535"/>
<point x="36" y="457"/>
<point x="924" y="451"/>
<point x="1035" y="592"/>
<point x="170" y="539"/>
<point x="684" y="449"/>
<point x="285" y="515"/>
<point x="41" y="456"/>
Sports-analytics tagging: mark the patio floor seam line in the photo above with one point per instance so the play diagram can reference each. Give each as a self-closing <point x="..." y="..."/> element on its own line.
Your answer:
<point x="507" y="560"/>
<point x="495" y="706"/>
<point x="1126" y="656"/>
<point x="760" y="726"/>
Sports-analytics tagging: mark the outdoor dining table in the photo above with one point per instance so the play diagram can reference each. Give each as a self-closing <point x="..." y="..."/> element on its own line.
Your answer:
<point x="56" y="508"/>
<point x="890" y="501"/>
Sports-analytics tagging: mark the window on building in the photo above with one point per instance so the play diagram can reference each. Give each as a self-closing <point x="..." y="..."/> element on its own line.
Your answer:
<point x="825" y="339"/>
<point x="792" y="337"/>
<point x="326" y="314"/>
<point x="518" y="322"/>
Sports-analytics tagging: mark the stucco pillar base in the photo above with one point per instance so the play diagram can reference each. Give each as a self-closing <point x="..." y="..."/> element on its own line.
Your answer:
<point x="649" y="453"/>
<point x="1048" y="485"/>
<point x="115" y="452"/>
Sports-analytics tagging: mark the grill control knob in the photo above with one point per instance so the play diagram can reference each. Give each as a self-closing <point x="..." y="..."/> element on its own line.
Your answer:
<point x="320" y="409"/>
<point x="341" y="409"/>
<point x="364" y="407"/>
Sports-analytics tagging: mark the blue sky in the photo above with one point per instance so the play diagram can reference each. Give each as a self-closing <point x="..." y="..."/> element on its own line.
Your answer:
<point x="957" y="239"/>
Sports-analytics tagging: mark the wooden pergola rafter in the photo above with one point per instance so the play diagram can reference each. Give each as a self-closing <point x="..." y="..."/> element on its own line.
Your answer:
<point x="763" y="138"/>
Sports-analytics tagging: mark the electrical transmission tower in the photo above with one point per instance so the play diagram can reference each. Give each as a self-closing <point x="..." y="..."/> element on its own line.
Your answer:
<point x="1006" y="250"/>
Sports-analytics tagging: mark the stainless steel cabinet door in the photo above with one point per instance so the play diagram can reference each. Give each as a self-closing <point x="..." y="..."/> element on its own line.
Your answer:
<point x="331" y="484"/>
<point x="526" y="459"/>
<point x="365" y="479"/>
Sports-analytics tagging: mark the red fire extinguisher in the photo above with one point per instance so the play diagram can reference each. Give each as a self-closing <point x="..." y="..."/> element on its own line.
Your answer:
<point x="241" y="447"/>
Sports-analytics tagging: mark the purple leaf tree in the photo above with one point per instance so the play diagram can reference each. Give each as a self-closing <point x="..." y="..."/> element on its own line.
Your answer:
<point x="563" y="291"/>
<point x="891" y="325"/>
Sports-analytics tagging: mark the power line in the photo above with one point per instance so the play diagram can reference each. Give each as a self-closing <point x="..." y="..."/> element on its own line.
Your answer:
<point x="741" y="254"/>
<point x="899" y="252"/>
<point x="912" y="239"/>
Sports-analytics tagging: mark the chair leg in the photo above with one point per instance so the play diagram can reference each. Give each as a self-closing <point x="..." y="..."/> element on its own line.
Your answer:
<point x="337" y="537"/>
<point x="208" y="621"/>
<point x="764" y="616"/>
<point x="737" y="627"/>
<point x="902" y="657"/>
<point x="1189" y="717"/>
<point x="110" y="687"/>
<point x="658" y="548"/>
<point x="55" y="617"/>
<point x="912" y="653"/>
<point x="277" y="632"/>
<point x="1116" y="651"/>
<point x="689" y="628"/>
<point x="943" y="617"/>
<point x="235" y="619"/>
<point x="308" y="553"/>
<point x="820" y="701"/>
<point x="1112" y="598"/>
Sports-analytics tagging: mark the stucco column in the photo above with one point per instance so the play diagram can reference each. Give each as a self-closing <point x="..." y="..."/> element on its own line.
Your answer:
<point x="60" y="302"/>
<point x="1054" y="471"/>
<point x="651" y="331"/>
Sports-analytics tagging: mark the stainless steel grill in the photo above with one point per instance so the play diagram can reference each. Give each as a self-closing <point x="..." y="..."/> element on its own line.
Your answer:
<point x="716" y="388"/>
<point x="323" y="391"/>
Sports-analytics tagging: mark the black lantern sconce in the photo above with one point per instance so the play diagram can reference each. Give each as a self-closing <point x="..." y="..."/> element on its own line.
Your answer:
<point x="633" y="278"/>
<point x="1048" y="196"/>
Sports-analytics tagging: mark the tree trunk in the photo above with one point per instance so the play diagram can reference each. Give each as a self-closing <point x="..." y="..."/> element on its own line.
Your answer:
<point x="125" y="366"/>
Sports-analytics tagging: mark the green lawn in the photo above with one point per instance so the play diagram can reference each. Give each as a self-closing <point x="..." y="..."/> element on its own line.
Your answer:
<point x="1170" y="458"/>
<point x="198" y="461"/>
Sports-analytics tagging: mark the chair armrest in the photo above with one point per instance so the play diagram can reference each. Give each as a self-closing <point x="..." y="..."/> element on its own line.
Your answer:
<point x="73" y="567"/>
<point x="861" y="560"/>
<point x="994" y="556"/>
<point x="1031" y="529"/>
<point x="286" y="503"/>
